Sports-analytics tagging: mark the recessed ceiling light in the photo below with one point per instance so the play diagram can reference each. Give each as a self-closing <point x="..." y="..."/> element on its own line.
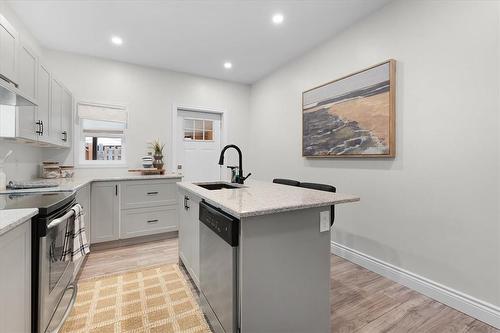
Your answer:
<point x="116" y="40"/>
<point x="228" y="65"/>
<point x="278" y="18"/>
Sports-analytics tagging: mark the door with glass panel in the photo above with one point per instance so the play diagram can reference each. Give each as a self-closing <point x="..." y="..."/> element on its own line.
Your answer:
<point x="198" y="145"/>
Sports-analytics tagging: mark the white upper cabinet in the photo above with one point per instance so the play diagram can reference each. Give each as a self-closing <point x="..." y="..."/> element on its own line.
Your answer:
<point x="66" y="116"/>
<point x="48" y="119"/>
<point x="8" y="52"/>
<point x="27" y="73"/>
<point x="44" y="105"/>
<point x="56" y="135"/>
<point x="26" y="123"/>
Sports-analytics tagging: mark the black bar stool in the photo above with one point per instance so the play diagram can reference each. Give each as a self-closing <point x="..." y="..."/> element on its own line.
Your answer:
<point x="284" y="181"/>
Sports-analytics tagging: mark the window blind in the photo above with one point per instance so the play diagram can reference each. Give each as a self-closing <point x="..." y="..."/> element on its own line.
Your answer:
<point x="115" y="114"/>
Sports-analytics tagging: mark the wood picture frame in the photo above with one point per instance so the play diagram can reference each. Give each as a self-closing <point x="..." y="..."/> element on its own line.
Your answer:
<point x="353" y="116"/>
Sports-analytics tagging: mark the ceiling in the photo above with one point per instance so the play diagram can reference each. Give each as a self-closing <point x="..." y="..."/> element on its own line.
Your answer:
<point x="192" y="36"/>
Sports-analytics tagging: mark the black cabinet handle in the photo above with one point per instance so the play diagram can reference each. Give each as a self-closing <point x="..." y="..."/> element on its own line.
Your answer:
<point x="65" y="138"/>
<point x="39" y="131"/>
<point x="41" y="121"/>
<point x="186" y="202"/>
<point x="152" y="193"/>
<point x="152" y="221"/>
<point x="116" y="190"/>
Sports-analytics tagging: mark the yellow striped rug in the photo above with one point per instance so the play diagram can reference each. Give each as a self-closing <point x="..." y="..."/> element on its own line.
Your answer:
<point x="147" y="300"/>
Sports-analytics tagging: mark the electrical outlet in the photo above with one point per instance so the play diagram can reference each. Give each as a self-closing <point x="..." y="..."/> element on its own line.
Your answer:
<point x="324" y="221"/>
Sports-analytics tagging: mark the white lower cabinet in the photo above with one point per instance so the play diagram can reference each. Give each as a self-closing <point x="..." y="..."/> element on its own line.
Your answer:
<point x="83" y="198"/>
<point x="15" y="280"/>
<point x="133" y="208"/>
<point x="189" y="234"/>
<point x="148" y="221"/>
<point x="105" y="212"/>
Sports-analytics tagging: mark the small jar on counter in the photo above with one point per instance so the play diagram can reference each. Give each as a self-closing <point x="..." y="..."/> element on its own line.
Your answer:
<point x="67" y="171"/>
<point x="50" y="171"/>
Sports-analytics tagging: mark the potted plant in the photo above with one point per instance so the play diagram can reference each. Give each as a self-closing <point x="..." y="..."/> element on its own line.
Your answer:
<point x="157" y="148"/>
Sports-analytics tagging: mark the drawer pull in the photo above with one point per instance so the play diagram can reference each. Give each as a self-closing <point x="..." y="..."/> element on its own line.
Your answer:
<point x="152" y="221"/>
<point x="152" y="193"/>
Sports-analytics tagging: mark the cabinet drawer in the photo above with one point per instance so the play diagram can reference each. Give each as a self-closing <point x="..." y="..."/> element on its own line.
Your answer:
<point x="148" y="221"/>
<point x="138" y="194"/>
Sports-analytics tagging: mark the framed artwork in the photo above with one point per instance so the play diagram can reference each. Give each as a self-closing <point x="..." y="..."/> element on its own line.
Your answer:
<point x="353" y="116"/>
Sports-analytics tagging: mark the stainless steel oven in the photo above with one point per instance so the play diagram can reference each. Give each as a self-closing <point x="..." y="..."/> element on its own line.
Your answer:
<point x="55" y="274"/>
<point x="52" y="289"/>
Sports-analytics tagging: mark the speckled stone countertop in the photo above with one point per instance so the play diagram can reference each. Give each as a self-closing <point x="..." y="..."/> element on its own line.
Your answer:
<point x="84" y="177"/>
<point x="261" y="198"/>
<point x="11" y="218"/>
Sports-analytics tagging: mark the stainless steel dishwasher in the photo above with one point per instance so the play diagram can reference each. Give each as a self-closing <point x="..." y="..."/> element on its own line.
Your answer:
<point x="219" y="234"/>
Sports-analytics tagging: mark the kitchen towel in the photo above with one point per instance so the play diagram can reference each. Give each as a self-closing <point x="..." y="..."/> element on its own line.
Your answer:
<point x="75" y="240"/>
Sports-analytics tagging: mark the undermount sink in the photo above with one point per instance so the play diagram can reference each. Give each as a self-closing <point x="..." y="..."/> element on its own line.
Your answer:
<point x="217" y="186"/>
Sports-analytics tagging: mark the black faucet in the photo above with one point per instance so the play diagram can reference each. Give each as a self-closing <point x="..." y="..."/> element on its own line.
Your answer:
<point x="239" y="179"/>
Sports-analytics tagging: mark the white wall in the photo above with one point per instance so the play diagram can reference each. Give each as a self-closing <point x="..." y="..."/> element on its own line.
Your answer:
<point x="149" y="95"/>
<point x="433" y="209"/>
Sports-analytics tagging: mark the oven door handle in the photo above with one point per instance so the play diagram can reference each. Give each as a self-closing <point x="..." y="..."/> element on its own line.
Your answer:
<point x="69" y="308"/>
<point x="63" y="218"/>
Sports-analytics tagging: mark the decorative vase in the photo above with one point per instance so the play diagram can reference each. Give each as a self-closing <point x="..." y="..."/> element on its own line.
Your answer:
<point x="158" y="161"/>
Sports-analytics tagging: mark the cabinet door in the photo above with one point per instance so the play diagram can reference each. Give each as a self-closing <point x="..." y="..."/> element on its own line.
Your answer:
<point x="105" y="212"/>
<point x="185" y="241"/>
<point x="8" y="50"/>
<point x="56" y="113"/>
<point x="148" y="221"/>
<point x="28" y="68"/>
<point x="26" y="123"/>
<point x="15" y="280"/>
<point x="189" y="234"/>
<point x="44" y="104"/>
<point x="195" y="230"/>
<point x="66" y="117"/>
<point x="83" y="198"/>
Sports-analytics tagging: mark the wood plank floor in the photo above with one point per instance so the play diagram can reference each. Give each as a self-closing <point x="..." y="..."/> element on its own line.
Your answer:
<point x="361" y="301"/>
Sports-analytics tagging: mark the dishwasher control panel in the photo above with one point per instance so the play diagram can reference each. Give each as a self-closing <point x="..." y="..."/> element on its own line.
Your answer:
<point x="224" y="225"/>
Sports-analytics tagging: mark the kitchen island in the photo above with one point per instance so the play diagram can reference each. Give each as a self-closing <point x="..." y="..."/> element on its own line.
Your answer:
<point x="281" y="258"/>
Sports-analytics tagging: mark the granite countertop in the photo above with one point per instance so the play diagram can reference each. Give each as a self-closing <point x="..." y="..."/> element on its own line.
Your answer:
<point x="82" y="178"/>
<point x="261" y="198"/>
<point x="11" y="218"/>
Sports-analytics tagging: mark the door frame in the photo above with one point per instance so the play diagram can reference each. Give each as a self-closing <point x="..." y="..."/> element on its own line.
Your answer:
<point x="201" y="109"/>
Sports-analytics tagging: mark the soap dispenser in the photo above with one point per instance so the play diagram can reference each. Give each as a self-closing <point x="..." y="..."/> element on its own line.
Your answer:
<point x="234" y="173"/>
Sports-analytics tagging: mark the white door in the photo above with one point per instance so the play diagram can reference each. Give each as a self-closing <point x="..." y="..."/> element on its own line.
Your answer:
<point x="198" y="145"/>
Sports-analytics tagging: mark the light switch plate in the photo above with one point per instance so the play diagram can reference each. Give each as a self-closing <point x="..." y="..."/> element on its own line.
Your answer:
<point x="324" y="221"/>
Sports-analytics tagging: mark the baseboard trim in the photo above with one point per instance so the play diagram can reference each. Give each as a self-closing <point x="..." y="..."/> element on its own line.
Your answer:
<point x="472" y="306"/>
<point x="133" y="241"/>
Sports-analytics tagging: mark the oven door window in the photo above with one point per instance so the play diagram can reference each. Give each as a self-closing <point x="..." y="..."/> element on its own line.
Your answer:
<point x="55" y="241"/>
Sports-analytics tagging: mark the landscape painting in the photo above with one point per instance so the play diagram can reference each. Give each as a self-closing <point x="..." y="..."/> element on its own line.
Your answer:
<point x="353" y="116"/>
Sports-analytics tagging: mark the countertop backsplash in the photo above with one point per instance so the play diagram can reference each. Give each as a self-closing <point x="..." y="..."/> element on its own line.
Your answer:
<point x="24" y="162"/>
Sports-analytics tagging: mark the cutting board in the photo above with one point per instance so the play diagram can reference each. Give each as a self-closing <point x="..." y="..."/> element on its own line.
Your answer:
<point x="148" y="171"/>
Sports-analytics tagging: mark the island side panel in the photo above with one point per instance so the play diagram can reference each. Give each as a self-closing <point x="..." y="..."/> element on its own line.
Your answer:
<point x="284" y="273"/>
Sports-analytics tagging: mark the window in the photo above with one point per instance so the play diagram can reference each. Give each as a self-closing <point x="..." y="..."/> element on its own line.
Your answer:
<point x="102" y="135"/>
<point x="103" y="140"/>
<point x="198" y="129"/>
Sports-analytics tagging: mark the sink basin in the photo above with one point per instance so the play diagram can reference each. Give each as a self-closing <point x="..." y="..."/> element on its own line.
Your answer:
<point x="217" y="186"/>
